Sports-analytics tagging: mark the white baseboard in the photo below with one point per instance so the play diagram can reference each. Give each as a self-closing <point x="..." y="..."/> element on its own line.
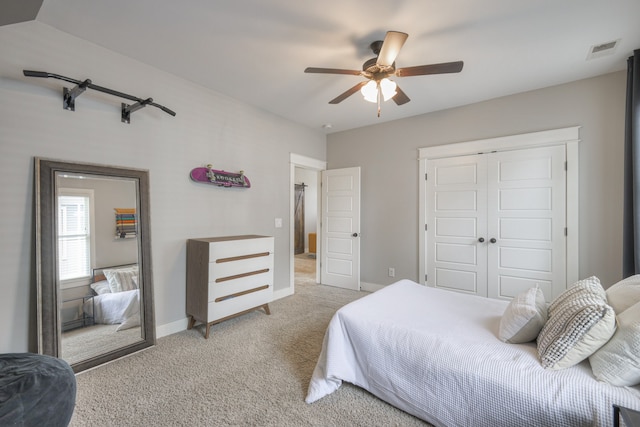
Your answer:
<point x="172" y="328"/>
<point x="370" y="287"/>
<point x="282" y="293"/>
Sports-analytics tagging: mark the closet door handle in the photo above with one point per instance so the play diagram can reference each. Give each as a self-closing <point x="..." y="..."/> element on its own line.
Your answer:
<point x="481" y="240"/>
<point x="492" y="240"/>
<point x="355" y="235"/>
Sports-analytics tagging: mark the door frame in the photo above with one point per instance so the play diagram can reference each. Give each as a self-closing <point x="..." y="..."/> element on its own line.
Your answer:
<point x="569" y="137"/>
<point x="304" y="162"/>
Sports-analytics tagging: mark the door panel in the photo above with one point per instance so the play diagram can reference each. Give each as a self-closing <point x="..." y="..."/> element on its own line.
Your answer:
<point x="456" y="192"/>
<point x="527" y="217"/>
<point x="340" y="256"/>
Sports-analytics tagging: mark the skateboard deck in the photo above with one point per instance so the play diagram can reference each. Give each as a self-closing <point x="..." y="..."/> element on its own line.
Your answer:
<point x="219" y="178"/>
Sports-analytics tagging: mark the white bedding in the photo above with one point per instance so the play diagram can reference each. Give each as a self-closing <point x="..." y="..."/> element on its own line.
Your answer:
<point x="113" y="308"/>
<point x="436" y="354"/>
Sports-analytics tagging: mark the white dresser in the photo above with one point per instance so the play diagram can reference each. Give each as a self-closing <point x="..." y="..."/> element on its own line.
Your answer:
<point x="228" y="276"/>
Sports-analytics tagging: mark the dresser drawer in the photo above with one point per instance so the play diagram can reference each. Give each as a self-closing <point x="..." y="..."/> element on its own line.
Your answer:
<point x="235" y="286"/>
<point x="231" y="306"/>
<point x="219" y="271"/>
<point x="220" y="251"/>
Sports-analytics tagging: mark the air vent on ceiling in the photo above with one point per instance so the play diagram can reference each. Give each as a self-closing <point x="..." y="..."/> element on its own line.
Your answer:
<point x="603" y="49"/>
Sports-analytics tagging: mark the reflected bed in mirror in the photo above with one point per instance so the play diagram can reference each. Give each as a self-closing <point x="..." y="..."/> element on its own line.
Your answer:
<point x="93" y="261"/>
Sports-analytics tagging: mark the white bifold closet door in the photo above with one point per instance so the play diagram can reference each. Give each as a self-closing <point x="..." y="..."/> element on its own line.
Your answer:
<point x="496" y="222"/>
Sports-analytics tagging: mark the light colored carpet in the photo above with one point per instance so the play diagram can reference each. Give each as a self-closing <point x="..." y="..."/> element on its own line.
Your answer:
<point x="252" y="371"/>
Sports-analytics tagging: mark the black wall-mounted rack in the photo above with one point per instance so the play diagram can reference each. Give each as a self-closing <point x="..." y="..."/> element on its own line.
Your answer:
<point x="69" y="95"/>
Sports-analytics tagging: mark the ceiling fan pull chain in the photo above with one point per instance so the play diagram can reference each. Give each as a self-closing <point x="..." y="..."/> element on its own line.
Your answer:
<point x="379" y="95"/>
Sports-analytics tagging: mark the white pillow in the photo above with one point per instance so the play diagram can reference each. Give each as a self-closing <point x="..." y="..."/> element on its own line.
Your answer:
<point x="121" y="279"/>
<point x="524" y="317"/>
<point x="618" y="361"/>
<point x="580" y="322"/>
<point x="101" y="287"/>
<point x="624" y="294"/>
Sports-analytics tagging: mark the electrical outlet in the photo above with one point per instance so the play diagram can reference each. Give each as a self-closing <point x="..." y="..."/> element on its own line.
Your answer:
<point x="392" y="272"/>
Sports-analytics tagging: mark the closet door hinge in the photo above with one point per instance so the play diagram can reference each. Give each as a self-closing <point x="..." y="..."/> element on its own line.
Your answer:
<point x="566" y="231"/>
<point x="425" y="176"/>
<point x="425" y="278"/>
<point x="566" y="166"/>
<point x="425" y="227"/>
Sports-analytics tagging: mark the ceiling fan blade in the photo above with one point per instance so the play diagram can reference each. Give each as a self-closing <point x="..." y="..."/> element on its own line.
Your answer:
<point x="400" y="97"/>
<point x="421" y="70"/>
<point x="393" y="42"/>
<point x="332" y="71"/>
<point x="338" y="99"/>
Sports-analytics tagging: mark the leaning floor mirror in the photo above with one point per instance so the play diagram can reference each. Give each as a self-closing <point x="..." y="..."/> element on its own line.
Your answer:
<point x="93" y="262"/>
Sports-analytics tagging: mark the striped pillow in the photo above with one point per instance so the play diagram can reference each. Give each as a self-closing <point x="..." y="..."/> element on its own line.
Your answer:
<point x="122" y="279"/>
<point x="580" y="322"/>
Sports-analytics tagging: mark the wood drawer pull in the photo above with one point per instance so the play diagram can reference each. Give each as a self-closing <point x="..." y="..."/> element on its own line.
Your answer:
<point x="237" y="276"/>
<point x="248" y="291"/>
<point x="238" y="258"/>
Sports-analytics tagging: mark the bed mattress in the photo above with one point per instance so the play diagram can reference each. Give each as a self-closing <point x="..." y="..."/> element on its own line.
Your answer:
<point x="436" y="354"/>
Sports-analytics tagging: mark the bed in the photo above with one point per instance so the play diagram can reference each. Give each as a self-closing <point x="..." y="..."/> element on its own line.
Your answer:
<point x="117" y="297"/>
<point x="436" y="354"/>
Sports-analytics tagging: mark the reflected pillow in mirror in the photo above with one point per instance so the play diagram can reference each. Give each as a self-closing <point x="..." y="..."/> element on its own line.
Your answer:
<point x="122" y="279"/>
<point x="101" y="287"/>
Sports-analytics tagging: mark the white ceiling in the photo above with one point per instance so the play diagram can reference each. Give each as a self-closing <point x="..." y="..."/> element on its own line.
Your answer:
<point x="256" y="50"/>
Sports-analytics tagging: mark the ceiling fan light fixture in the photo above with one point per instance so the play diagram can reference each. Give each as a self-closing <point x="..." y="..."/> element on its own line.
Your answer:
<point x="370" y="91"/>
<point x="388" y="88"/>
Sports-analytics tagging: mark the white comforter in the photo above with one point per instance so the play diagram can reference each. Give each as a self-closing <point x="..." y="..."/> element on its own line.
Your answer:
<point x="436" y="355"/>
<point x="113" y="308"/>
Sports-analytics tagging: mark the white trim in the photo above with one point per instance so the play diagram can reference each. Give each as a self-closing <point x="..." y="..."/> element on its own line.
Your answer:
<point x="370" y="287"/>
<point x="569" y="137"/>
<point x="172" y="328"/>
<point x="90" y="194"/>
<point x="503" y="143"/>
<point x="297" y="160"/>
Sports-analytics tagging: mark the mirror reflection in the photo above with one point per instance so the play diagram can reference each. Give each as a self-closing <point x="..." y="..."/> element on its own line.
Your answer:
<point x="97" y="264"/>
<point x="93" y="261"/>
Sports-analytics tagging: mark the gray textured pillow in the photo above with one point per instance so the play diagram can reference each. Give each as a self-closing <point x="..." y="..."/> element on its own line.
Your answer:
<point x="580" y="321"/>
<point x="524" y="317"/>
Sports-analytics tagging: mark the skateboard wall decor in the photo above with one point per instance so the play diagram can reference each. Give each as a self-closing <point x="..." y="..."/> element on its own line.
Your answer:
<point x="219" y="178"/>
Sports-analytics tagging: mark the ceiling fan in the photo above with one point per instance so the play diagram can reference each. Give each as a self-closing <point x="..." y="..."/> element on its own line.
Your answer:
<point x="378" y="70"/>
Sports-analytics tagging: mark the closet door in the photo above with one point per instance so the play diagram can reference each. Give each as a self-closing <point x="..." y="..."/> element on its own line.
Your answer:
<point x="526" y="220"/>
<point x="456" y="199"/>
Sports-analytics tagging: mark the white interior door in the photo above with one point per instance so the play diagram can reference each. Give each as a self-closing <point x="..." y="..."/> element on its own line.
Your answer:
<point x="456" y="224"/>
<point x="526" y="221"/>
<point x="340" y="248"/>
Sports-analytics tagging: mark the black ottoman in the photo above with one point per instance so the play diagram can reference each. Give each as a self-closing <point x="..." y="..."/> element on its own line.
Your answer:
<point x="36" y="390"/>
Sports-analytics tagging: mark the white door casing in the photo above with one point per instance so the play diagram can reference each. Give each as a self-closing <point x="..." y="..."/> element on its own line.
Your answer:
<point x="536" y="234"/>
<point x="340" y="249"/>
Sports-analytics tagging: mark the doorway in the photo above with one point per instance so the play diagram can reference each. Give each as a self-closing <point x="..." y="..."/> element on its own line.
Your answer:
<point x="312" y="167"/>
<point x="305" y="218"/>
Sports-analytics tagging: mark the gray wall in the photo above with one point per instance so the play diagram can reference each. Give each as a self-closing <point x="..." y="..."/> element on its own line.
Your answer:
<point x="387" y="154"/>
<point x="208" y="128"/>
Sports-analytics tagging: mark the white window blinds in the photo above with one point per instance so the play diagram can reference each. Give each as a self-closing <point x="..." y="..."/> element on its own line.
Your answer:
<point x="74" y="238"/>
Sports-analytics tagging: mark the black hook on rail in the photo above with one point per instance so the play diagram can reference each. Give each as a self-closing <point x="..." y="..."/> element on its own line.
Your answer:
<point x="69" y="95"/>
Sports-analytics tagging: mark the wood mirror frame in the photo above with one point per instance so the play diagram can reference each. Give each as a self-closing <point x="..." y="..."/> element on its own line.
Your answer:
<point x="48" y="289"/>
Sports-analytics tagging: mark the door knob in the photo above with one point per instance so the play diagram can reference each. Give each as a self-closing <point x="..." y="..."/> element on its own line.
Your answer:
<point x="493" y="240"/>
<point x="355" y="234"/>
<point x="481" y="239"/>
